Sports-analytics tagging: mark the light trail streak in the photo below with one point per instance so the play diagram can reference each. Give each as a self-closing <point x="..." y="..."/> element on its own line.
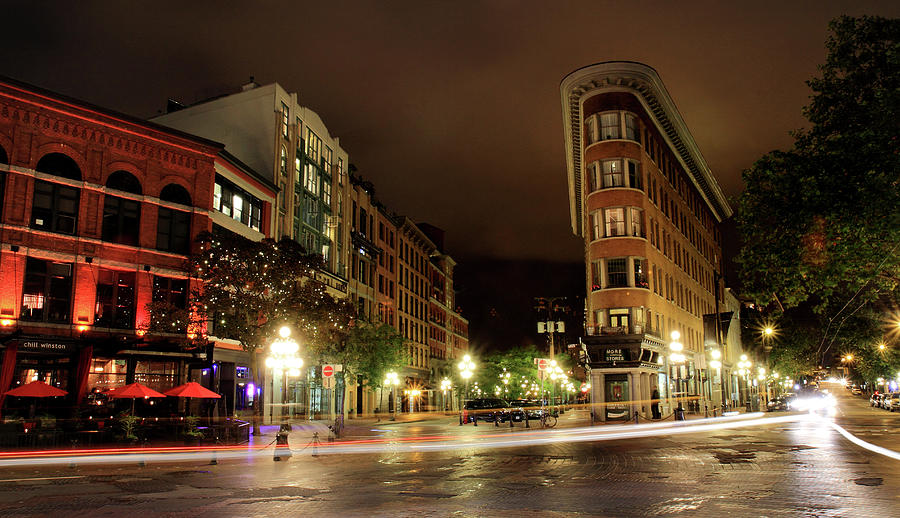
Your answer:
<point x="393" y="445"/>
<point x="863" y="444"/>
<point x="519" y="438"/>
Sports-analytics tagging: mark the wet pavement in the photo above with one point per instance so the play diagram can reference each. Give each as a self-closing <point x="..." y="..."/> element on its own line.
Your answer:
<point x="802" y="468"/>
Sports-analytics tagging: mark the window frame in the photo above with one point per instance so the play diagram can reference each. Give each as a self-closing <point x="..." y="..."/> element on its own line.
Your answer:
<point x="602" y="126"/>
<point x="621" y="277"/>
<point x="609" y="176"/>
<point x="285" y="120"/>
<point x="171" y="230"/>
<point x="115" y="319"/>
<point x="48" y="296"/>
<point x="623" y="223"/>
<point x="54" y="214"/>
<point x="116" y="225"/>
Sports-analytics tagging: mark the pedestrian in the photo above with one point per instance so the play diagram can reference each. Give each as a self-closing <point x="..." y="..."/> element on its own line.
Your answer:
<point x="654" y="404"/>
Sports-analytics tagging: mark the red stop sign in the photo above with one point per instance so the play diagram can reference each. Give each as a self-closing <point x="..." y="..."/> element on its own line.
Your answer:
<point x="328" y="371"/>
<point x="543" y="364"/>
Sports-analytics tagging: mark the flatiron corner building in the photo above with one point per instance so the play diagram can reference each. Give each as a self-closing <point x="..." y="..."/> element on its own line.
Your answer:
<point x="649" y="209"/>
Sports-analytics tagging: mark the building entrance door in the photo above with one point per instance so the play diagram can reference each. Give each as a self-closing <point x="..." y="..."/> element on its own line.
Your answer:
<point x="617" y="400"/>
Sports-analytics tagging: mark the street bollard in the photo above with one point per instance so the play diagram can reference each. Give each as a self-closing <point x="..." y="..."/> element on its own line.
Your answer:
<point x="475" y="419"/>
<point x="72" y="463"/>
<point x="510" y="420"/>
<point x="282" y="449"/>
<point x="635" y="418"/>
<point x="142" y="460"/>
<point x="526" y="420"/>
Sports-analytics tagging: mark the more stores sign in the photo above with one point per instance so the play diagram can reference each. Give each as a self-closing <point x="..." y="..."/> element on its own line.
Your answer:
<point x="616" y="355"/>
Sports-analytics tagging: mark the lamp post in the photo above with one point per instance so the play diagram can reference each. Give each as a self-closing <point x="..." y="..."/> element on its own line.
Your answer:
<point x="391" y="380"/>
<point x="445" y="386"/>
<point x="466" y="366"/>
<point x="763" y="381"/>
<point x="677" y="358"/>
<point x="716" y="363"/>
<point x="283" y="358"/>
<point x="744" y="370"/>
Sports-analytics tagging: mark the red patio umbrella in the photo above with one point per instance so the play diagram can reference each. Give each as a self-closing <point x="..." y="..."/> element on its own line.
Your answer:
<point x="134" y="391"/>
<point x="36" y="389"/>
<point x="192" y="389"/>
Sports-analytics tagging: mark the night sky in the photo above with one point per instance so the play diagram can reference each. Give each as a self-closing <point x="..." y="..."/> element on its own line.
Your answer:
<point x="451" y="108"/>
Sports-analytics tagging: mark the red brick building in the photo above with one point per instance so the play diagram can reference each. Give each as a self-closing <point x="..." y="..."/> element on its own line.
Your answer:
<point x="649" y="209"/>
<point x="99" y="213"/>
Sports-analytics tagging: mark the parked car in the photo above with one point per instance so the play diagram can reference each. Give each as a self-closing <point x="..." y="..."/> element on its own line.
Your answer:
<point x="530" y="406"/>
<point x="488" y="410"/>
<point x="892" y="402"/>
<point x="876" y="400"/>
<point x="856" y="391"/>
<point x="777" y="404"/>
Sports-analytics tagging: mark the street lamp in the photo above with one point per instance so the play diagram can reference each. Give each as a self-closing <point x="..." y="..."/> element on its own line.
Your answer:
<point x="283" y="358"/>
<point x="391" y="380"/>
<point x="716" y="363"/>
<point x="466" y="366"/>
<point x="677" y="358"/>
<point x="744" y="370"/>
<point x="445" y="386"/>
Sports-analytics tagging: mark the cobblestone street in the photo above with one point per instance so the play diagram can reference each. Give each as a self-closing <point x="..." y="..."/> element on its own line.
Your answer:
<point x="794" y="469"/>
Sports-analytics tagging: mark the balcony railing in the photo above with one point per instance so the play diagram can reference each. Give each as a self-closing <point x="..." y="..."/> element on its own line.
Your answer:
<point x="630" y="329"/>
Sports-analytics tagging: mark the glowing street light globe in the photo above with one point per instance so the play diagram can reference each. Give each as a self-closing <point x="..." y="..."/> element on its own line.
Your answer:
<point x="283" y="354"/>
<point x="391" y="379"/>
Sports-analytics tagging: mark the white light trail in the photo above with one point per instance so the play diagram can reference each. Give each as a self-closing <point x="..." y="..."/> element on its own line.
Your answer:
<point x="863" y="444"/>
<point x="517" y="438"/>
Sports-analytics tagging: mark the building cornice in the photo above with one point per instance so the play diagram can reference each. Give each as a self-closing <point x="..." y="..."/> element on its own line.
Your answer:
<point x="644" y="83"/>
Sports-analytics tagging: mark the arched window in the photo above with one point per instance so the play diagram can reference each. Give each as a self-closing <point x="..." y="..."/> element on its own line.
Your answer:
<point x="175" y="194"/>
<point x="124" y="181"/>
<point x="59" y="164"/>
<point x="55" y="206"/>
<point x="173" y="228"/>
<point x="121" y="216"/>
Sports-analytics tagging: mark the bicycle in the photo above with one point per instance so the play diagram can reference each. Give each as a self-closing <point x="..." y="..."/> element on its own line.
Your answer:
<point x="548" y="420"/>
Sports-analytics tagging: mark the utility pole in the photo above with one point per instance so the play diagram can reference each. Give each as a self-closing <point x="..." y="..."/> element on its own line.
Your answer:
<point x="552" y="306"/>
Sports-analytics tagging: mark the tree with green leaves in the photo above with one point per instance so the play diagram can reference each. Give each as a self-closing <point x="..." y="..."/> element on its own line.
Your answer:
<point x="366" y="352"/>
<point x="519" y="363"/>
<point x="249" y="289"/>
<point x="821" y="222"/>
